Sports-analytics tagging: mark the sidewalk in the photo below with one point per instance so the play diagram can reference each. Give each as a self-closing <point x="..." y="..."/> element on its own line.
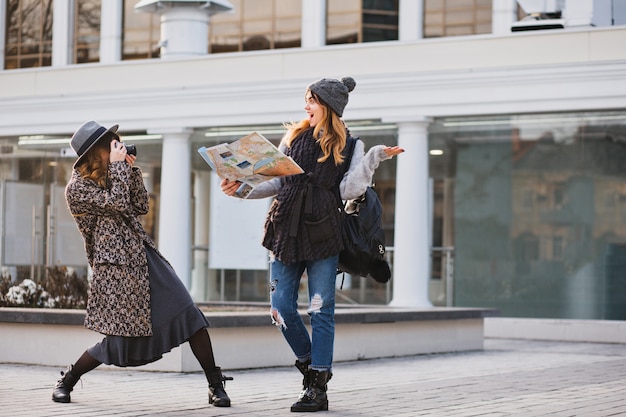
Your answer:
<point x="510" y="377"/>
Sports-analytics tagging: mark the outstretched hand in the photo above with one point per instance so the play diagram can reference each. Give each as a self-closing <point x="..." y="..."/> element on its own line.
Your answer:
<point x="392" y="151"/>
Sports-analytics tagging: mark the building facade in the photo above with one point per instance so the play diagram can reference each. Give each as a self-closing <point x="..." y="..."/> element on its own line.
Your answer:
<point x="510" y="193"/>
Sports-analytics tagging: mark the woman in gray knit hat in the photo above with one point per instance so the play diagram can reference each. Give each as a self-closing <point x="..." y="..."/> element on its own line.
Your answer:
<point x="302" y="230"/>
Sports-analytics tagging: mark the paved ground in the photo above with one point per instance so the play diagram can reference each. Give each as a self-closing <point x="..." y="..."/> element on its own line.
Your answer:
<point x="523" y="378"/>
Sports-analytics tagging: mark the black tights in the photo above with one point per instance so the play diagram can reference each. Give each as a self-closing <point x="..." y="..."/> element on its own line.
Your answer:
<point x="202" y="349"/>
<point x="84" y="364"/>
<point x="200" y="344"/>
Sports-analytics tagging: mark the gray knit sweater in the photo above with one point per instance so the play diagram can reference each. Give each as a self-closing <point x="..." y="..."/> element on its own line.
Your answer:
<point x="354" y="182"/>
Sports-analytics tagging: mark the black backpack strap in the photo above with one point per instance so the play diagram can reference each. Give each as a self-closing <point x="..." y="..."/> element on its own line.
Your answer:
<point x="347" y="153"/>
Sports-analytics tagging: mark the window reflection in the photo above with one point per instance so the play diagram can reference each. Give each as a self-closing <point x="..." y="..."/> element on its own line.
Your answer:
<point x="255" y="25"/>
<point x="456" y="17"/>
<point x="354" y="21"/>
<point x="87" y="31"/>
<point x="28" y="34"/>
<point x="142" y="32"/>
<point x="538" y="209"/>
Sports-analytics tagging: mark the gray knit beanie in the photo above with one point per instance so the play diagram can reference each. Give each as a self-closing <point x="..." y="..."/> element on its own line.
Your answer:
<point x="333" y="92"/>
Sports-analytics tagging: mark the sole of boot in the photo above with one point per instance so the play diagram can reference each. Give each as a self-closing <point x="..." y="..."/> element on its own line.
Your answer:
<point x="298" y="409"/>
<point x="219" y="403"/>
<point x="64" y="400"/>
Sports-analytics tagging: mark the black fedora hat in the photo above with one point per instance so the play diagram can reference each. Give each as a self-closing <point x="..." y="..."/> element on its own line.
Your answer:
<point x="87" y="136"/>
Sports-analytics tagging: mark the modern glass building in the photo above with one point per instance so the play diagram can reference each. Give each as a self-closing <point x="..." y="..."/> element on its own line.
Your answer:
<point x="511" y="192"/>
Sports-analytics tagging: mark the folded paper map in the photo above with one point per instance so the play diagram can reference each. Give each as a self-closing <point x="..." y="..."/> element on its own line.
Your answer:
<point x="251" y="160"/>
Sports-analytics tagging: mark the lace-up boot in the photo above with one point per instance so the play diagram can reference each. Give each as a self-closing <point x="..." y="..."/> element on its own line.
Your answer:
<point x="314" y="397"/>
<point x="217" y="393"/>
<point x="65" y="385"/>
<point x="303" y="367"/>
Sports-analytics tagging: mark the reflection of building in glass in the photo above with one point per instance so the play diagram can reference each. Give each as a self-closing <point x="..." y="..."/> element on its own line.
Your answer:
<point x="547" y="209"/>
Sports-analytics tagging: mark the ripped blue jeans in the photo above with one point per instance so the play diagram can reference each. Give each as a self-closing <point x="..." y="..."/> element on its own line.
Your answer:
<point x="284" y="285"/>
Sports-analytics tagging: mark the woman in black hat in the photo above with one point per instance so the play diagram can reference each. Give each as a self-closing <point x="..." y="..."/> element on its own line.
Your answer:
<point x="135" y="298"/>
<point x="303" y="232"/>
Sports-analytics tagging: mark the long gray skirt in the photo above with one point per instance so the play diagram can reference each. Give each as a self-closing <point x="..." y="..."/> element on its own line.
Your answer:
<point x="175" y="318"/>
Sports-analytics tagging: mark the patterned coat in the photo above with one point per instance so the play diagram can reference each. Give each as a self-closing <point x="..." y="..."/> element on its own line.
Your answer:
<point x="119" y="292"/>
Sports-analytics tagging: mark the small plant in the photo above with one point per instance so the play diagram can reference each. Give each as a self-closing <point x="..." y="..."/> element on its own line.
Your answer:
<point x="60" y="288"/>
<point x="6" y="282"/>
<point x="66" y="288"/>
<point x="27" y="294"/>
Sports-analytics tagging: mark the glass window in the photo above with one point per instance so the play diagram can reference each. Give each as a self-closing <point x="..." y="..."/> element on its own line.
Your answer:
<point x="536" y="230"/>
<point x="141" y="33"/>
<point x="255" y="25"/>
<point x="87" y="31"/>
<point x="456" y="17"/>
<point x="354" y="21"/>
<point x="28" y="34"/>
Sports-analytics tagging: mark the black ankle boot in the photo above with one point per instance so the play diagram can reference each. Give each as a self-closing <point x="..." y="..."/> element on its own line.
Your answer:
<point x="303" y="367"/>
<point x="63" y="387"/>
<point x="314" y="397"/>
<point x="217" y="393"/>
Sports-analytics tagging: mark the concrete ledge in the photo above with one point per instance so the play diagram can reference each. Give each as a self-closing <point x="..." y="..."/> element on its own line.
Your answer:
<point x="593" y="331"/>
<point x="247" y="339"/>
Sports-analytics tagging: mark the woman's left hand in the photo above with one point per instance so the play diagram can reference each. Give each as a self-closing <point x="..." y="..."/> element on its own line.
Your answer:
<point x="130" y="159"/>
<point x="392" y="151"/>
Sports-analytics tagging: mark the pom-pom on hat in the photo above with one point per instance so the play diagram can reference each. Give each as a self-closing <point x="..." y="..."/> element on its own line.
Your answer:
<point x="87" y="136"/>
<point x="334" y="93"/>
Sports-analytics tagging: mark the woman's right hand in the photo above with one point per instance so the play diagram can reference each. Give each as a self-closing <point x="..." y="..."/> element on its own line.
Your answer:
<point x="230" y="187"/>
<point x="118" y="151"/>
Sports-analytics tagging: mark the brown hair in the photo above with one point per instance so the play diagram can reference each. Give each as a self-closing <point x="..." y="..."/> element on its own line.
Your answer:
<point x="92" y="166"/>
<point x="330" y="133"/>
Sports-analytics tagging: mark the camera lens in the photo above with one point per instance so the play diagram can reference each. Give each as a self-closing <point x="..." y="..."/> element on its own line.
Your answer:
<point x="131" y="149"/>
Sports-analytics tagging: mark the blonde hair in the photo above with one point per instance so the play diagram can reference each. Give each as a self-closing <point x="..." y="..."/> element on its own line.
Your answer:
<point x="330" y="133"/>
<point x="93" y="166"/>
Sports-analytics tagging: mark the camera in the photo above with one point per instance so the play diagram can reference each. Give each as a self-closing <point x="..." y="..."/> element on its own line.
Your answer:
<point x="131" y="149"/>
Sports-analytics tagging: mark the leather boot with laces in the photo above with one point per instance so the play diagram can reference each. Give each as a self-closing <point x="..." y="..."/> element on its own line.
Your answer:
<point x="63" y="387"/>
<point x="303" y="367"/>
<point x="314" y="398"/>
<point x="217" y="393"/>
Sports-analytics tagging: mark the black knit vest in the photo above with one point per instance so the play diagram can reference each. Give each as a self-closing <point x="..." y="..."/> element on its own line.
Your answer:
<point x="303" y="222"/>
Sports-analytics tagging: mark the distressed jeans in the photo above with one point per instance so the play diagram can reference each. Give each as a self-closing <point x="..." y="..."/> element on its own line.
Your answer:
<point x="284" y="285"/>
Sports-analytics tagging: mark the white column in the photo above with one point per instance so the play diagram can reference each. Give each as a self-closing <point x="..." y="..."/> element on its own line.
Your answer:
<point x="3" y="8"/>
<point x="411" y="265"/>
<point x="503" y="14"/>
<point x="184" y="32"/>
<point x="201" y="199"/>
<point x="175" y="207"/>
<point x="62" y="32"/>
<point x="111" y="22"/>
<point x="313" y="23"/>
<point x="411" y="20"/>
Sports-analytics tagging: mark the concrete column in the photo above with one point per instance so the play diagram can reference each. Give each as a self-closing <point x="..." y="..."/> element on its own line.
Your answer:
<point x="3" y="18"/>
<point x="184" y="33"/>
<point x="175" y="205"/>
<point x="62" y="32"/>
<point x="112" y="13"/>
<point x="411" y="266"/>
<point x="503" y="14"/>
<point x="201" y="200"/>
<point x="313" y="23"/>
<point x="411" y="20"/>
<point x="184" y="24"/>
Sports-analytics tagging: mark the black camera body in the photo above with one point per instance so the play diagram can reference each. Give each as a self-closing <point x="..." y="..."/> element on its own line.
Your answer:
<point x="131" y="149"/>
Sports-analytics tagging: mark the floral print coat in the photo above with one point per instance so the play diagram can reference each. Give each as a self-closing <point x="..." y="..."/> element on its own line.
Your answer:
<point x="108" y="219"/>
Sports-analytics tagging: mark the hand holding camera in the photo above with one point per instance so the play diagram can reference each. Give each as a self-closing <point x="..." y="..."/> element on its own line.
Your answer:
<point x="122" y="152"/>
